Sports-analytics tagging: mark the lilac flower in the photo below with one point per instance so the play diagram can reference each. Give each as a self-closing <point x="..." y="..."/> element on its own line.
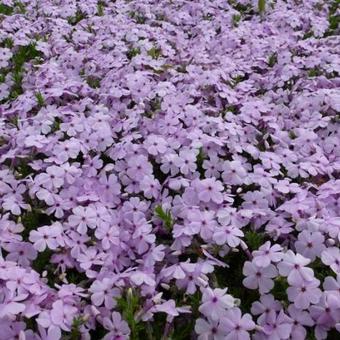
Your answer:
<point x="267" y="254"/>
<point x="259" y="277"/>
<point x="293" y="266"/>
<point x="234" y="173"/>
<point x="186" y="161"/>
<point x="300" y="319"/>
<point x="150" y="187"/>
<point x="22" y="253"/>
<point x="237" y="325"/>
<point x="310" y="244"/>
<point x="265" y="307"/>
<point x="210" y="330"/>
<point x="62" y="315"/>
<point x="118" y="328"/>
<point x="331" y="257"/>
<point x="82" y="218"/>
<point x="229" y="235"/>
<point x="155" y="145"/>
<point x="104" y="293"/>
<point x="210" y="190"/>
<point x="47" y="236"/>
<point x="215" y="302"/>
<point x="278" y="326"/>
<point x="303" y="294"/>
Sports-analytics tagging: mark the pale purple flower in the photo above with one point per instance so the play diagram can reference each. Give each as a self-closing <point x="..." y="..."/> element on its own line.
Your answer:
<point x="210" y="329"/>
<point x="104" y="292"/>
<point x="155" y="145"/>
<point x="331" y="257"/>
<point x="22" y="252"/>
<point x="62" y="315"/>
<point x="293" y="266"/>
<point x="304" y="294"/>
<point x="234" y="173"/>
<point x="267" y="254"/>
<point x="47" y="236"/>
<point x="237" y="325"/>
<point x="150" y="187"/>
<point x="82" y="218"/>
<point x="300" y="319"/>
<point x="259" y="277"/>
<point x="117" y="327"/>
<point x="278" y="326"/>
<point x="210" y="189"/>
<point x="264" y="307"/>
<point x="215" y="302"/>
<point x="229" y="235"/>
<point x="310" y="244"/>
<point x="186" y="161"/>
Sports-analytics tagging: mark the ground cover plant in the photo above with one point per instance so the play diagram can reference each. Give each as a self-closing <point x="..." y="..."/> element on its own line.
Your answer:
<point x="169" y="169"/>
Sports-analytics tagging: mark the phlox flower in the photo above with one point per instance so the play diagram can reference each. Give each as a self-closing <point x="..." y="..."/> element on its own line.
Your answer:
<point x="259" y="277"/>
<point x="215" y="302"/>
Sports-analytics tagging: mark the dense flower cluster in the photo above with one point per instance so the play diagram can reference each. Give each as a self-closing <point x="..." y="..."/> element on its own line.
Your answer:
<point x="169" y="169"/>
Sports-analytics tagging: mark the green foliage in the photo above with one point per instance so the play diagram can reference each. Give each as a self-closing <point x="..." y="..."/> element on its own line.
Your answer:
<point x="236" y="19"/>
<point x="261" y="6"/>
<point x="272" y="59"/>
<point x="100" y="8"/>
<point x="199" y="161"/>
<point x="320" y="270"/>
<point x="75" y="329"/>
<point x="79" y="16"/>
<point x="138" y="17"/>
<point x="40" y="99"/>
<point x="20" y="57"/>
<point x="128" y="306"/>
<point x="31" y="220"/>
<point x="6" y="10"/>
<point x="165" y="216"/>
<point x="93" y="82"/>
<point x="155" y="52"/>
<point x="132" y="52"/>
<point x="279" y="290"/>
<point x="254" y="239"/>
<point x="333" y="19"/>
<point x="314" y="72"/>
<point x="7" y="42"/>
<point x="232" y="278"/>
<point x="42" y="262"/>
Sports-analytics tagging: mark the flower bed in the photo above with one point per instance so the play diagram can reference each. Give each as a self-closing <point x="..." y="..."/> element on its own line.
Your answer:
<point x="169" y="169"/>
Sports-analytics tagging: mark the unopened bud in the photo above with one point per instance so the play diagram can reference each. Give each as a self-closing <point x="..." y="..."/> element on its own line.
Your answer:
<point x="129" y="295"/>
<point x="165" y="286"/>
<point x="237" y="302"/>
<point x="330" y="242"/>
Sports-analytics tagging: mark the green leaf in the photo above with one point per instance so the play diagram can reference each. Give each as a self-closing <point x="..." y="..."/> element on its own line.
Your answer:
<point x="129" y="305"/>
<point x="100" y="8"/>
<point x="132" y="52"/>
<point x="236" y="19"/>
<point x="262" y="6"/>
<point x="6" y="10"/>
<point x="155" y="52"/>
<point x="40" y="99"/>
<point x="253" y="239"/>
<point x="272" y="59"/>
<point x="165" y="216"/>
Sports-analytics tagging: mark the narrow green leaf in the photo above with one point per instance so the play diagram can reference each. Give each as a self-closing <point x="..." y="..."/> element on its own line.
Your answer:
<point x="165" y="216"/>
<point x="262" y="6"/>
